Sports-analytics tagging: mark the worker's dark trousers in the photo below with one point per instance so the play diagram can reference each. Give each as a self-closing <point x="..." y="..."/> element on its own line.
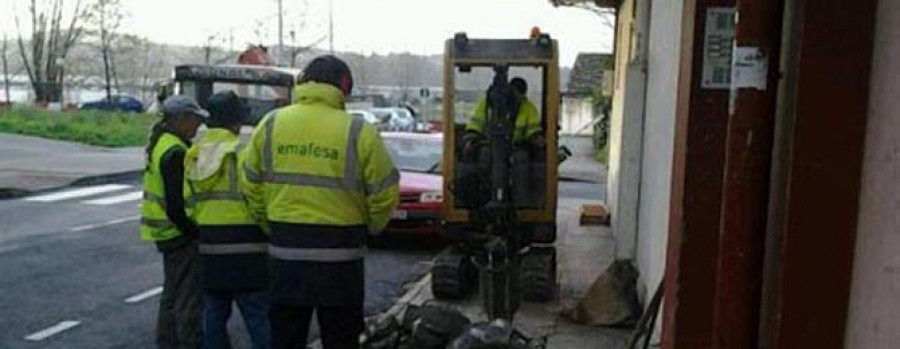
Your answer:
<point x="340" y="327"/>
<point x="181" y="305"/>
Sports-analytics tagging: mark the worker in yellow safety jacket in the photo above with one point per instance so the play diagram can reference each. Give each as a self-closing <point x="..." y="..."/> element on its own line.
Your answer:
<point x="321" y="181"/>
<point x="165" y="221"/>
<point x="527" y="133"/>
<point x="233" y="259"/>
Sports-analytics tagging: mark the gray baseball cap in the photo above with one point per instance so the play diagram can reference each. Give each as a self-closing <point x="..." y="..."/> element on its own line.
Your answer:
<point x="180" y="104"/>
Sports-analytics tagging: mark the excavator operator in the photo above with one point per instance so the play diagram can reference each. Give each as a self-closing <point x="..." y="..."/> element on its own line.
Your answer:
<point x="527" y="136"/>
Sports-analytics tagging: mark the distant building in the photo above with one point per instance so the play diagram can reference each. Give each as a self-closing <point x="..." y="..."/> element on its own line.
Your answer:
<point x="578" y="106"/>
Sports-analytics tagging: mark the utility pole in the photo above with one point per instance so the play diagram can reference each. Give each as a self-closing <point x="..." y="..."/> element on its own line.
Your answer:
<point x="280" y="29"/>
<point x="331" y="26"/>
<point x="231" y="39"/>
<point x="5" y="71"/>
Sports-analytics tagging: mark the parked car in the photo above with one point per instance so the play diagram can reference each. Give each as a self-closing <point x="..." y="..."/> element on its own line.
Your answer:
<point x="395" y="119"/>
<point x="117" y="102"/>
<point x="364" y="115"/>
<point x="418" y="157"/>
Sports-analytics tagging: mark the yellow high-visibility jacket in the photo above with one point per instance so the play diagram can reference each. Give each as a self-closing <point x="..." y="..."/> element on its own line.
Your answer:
<point x="233" y="249"/>
<point x="528" y="121"/>
<point x="212" y="176"/>
<point x="155" y="224"/>
<point x="312" y="163"/>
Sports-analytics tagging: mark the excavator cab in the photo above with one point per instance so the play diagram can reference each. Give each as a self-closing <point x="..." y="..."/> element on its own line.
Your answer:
<point x="261" y="88"/>
<point x="500" y="171"/>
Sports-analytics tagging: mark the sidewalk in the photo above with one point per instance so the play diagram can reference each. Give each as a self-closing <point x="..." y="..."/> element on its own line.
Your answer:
<point x="583" y="252"/>
<point x="29" y="164"/>
<point x="582" y="165"/>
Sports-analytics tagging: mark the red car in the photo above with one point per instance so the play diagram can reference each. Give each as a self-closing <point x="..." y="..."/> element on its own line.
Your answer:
<point x="418" y="157"/>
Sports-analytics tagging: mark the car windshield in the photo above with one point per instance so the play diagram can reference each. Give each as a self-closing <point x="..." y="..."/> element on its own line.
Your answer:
<point x="415" y="155"/>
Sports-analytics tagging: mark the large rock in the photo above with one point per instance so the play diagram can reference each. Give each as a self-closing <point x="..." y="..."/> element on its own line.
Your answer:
<point x="611" y="300"/>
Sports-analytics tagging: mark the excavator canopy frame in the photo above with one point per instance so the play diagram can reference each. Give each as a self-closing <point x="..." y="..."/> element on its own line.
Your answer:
<point x="463" y="54"/>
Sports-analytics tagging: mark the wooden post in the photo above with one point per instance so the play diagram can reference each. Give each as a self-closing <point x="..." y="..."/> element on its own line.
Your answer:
<point x="747" y="171"/>
<point x="698" y="167"/>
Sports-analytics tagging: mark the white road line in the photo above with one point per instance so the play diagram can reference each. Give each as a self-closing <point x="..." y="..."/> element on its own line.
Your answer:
<point x="144" y="295"/>
<point x="75" y="193"/>
<point x="104" y="224"/>
<point x="136" y="195"/>
<point x="50" y="331"/>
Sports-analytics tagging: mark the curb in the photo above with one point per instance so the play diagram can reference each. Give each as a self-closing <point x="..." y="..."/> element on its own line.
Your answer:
<point x="410" y="296"/>
<point x="106" y="178"/>
<point x="9" y="193"/>
<point x="12" y="193"/>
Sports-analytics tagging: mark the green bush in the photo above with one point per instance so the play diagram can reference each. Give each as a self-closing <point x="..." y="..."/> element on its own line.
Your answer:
<point x="603" y="154"/>
<point x="111" y="129"/>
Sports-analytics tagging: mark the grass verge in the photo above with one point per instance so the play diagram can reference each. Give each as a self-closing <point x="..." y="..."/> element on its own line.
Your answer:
<point x="109" y="129"/>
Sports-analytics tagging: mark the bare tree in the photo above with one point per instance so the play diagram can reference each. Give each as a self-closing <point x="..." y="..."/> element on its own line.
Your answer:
<point x="298" y="49"/>
<point x="213" y="52"/>
<point x="107" y="17"/>
<point x="5" y="69"/>
<point x="138" y="65"/>
<point x="50" y="42"/>
<point x="607" y="15"/>
<point x="298" y="30"/>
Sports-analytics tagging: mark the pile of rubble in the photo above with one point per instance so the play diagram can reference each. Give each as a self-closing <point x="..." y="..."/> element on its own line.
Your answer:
<point x="435" y="326"/>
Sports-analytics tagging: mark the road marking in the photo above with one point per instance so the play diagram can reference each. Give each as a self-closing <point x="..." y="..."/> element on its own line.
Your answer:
<point x="104" y="224"/>
<point x="75" y="193"/>
<point x="144" y="295"/>
<point x="50" y="331"/>
<point x="136" y="195"/>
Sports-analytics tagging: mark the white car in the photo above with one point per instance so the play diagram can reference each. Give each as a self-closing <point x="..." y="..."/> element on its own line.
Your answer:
<point x="396" y="119"/>
<point x="364" y="115"/>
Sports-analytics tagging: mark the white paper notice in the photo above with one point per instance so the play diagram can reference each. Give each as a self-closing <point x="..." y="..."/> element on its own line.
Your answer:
<point x="750" y="69"/>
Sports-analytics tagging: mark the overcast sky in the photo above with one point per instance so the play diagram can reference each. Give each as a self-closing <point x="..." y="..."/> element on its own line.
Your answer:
<point x="380" y="26"/>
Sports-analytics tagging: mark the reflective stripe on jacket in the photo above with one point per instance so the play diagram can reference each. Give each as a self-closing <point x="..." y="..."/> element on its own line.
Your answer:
<point x="155" y="225"/>
<point x="232" y="246"/>
<point x="212" y="176"/>
<point x="313" y="164"/>
<point x="317" y="265"/>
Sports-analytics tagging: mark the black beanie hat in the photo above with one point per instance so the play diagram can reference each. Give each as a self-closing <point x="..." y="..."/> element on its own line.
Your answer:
<point x="330" y="70"/>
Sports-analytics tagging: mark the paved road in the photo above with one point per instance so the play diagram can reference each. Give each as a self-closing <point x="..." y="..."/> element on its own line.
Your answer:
<point x="70" y="259"/>
<point x="76" y="275"/>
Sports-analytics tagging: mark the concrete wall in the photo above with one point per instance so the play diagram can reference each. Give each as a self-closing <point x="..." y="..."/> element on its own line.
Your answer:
<point x="642" y="132"/>
<point x="626" y="125"/>
<point x="659" y="133"/>
<point x="617" y="113"/>
<point x="873" y="321"/>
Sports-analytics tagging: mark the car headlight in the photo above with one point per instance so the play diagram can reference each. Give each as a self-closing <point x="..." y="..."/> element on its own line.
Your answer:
<point x="431" y="197"/>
